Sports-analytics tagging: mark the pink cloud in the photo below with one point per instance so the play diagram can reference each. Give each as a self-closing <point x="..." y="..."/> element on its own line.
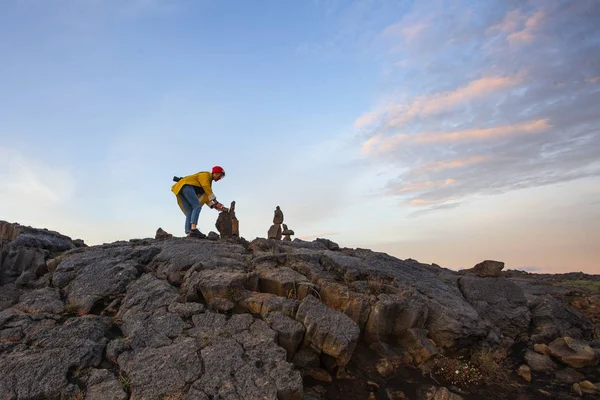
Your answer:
<point x="527" y="34"/>
<point x="487" y="133"/>
<point x="442" y="165"/>
<point x="383" y="145"/>
<point x="411" y="187"/>
<point x="398" y="114"/>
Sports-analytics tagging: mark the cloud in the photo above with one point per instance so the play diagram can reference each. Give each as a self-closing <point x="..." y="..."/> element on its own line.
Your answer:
<point x="527" y="34"/>
<point x="379" y="145"/>
<point x="473" y="107"/>
<point x="398" y="114"/>
<point x="434" y="207"/>
<point x="26" y="181"/>
<point x="37" y="193"/>
<point x="436" y="166"/>
<point x="421" y="185"/>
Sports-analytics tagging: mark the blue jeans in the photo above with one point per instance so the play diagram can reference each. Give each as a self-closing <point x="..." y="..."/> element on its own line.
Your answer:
<point x="191" y="205"/>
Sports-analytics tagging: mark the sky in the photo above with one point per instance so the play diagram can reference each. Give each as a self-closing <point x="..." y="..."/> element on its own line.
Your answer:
<point x="449" y="132"/>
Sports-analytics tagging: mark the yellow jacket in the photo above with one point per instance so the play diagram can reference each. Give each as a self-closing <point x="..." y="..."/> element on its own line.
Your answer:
<point x="202" y="179"/>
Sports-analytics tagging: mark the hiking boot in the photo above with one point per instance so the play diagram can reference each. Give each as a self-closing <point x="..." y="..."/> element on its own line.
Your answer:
<point x="197" y="234"/>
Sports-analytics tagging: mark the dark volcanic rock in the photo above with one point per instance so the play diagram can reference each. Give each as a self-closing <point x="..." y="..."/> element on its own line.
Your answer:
<point x="552" y="319"/>
<point x="9" y="295"/>
<point x="200" y="319"/>
<point x="499" y="301"/>
<point x="101" y="384"/>
<point x="540" y="363"/>
<point x="144" y="315"/>
<point x="45" y="300"/>
<point x="39" y="368"/>
<point x="24" y="251"/>
<point x="100" y="275"/>
<point x="156" y="373"/>
<point x="328" y="330"/>
<point x="487" y="268"/>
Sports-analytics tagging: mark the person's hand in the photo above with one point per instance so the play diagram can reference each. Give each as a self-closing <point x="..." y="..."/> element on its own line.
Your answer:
<point x="219" y="206"/>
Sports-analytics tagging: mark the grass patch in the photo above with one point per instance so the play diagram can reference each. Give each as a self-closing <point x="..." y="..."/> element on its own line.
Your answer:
<point x="125" y="381"/>
<point x="488" y="362"/>
<point x="593" y="286"/>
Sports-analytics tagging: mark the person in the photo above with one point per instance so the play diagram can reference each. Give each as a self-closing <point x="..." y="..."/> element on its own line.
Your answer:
<point x="194" y="191"/>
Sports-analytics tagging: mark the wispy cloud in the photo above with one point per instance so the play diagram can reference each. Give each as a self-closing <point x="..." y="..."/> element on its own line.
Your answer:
<point x="527" y="34"/>
<point x="422" y="106"/>
<point x="436" y="166"/>
<point x="379" y="144"/>
<point x="410" y="187"/>
<point x="498" y="99"/>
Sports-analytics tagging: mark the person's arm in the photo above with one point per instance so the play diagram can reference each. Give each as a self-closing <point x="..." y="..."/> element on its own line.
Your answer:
<point x="205" y="182"/>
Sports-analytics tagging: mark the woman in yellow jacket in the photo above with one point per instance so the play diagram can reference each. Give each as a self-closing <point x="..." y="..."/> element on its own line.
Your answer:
<point x="194" y="191"/>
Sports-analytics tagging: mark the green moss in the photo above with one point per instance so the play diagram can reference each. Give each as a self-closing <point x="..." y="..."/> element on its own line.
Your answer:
<point x="593" y="286"/>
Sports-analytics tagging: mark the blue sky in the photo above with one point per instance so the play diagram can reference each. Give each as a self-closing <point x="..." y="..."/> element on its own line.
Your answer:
<point x="448" y="132"/>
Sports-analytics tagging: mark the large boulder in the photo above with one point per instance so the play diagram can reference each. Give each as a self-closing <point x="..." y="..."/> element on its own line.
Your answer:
<point x="572" y="352"/>
<point x="280" y="281"/>
<point x="330" y="331"/>
<point x="487" y="268"/>
<point x="540" y="363"/>
<point x="290" y="332"/>
<point x="499" y="301"/>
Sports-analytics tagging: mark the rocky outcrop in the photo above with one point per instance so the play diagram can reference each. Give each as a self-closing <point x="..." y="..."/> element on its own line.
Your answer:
<point x="24" y="251"/>
<point x="499" y="301"/>
<point x="199" y="319"/>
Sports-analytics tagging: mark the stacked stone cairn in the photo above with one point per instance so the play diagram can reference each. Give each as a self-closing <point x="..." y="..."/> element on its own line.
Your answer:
<point x="287" y="233"/>
<point x="275" y="232"/>
<point x="227" y="223"/>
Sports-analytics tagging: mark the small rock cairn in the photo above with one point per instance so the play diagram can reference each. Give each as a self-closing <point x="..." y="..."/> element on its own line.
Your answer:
<point x="275" y="232"/>
<point x="227" y="224"/>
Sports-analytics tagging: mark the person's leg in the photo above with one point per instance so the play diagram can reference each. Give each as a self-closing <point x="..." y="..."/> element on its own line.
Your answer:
<point x="192" y="199"/>
<point x="188" y="208"/>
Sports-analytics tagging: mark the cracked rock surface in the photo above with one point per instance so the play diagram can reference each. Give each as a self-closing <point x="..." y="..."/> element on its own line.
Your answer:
<point x="186" y="318"/>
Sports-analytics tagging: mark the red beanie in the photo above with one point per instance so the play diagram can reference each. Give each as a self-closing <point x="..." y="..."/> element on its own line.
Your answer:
<point x="218" y="169"/>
